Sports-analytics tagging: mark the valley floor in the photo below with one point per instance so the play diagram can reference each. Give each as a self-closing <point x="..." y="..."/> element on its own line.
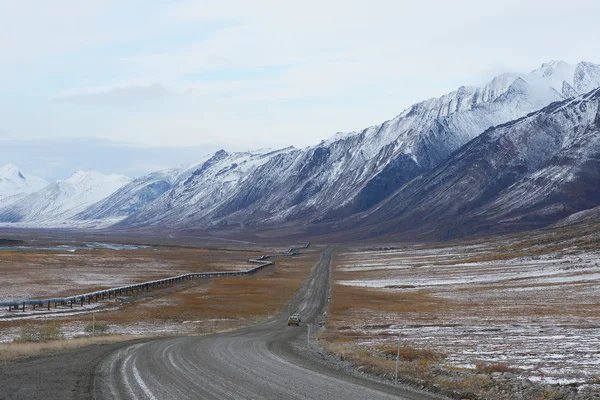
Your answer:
<point x="526" y="306"/>
<point x="63" y="269"/>
<point x="512" y="317"/>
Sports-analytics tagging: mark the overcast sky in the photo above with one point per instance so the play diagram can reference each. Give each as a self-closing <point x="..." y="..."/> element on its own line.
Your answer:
<point x="109" y="84"/>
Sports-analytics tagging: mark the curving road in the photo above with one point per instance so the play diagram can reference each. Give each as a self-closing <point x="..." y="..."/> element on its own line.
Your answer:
<point x="252" y="363"/>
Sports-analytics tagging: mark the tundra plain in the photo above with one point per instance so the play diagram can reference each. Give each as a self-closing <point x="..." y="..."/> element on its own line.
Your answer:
<point x="525" y="305"/>
<point x="203" y="306"/>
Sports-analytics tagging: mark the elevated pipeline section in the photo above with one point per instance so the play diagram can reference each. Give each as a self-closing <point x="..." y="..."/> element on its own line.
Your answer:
<point x="96" y="296"/>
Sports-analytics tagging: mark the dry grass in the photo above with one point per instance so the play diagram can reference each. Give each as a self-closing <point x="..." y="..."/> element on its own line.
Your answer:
<point x="38" y="274"/>
<point x="40" y="332"/>
<point x="11" y="351"/>
<point x="408" y="353"/>
<point x="511" y="296"/>
<point x="232" y="299"/>
<point x="352" y="313"/>
<point x="360" y="357"/>
<point x="373" y="361"/>
<point x="491" y="368"/>
<point x="223" y="303"/>
<point x="346" y="298"/>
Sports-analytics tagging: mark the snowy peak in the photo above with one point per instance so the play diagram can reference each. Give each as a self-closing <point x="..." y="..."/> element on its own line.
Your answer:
<point x="586" y="77"/>
<point x="14" y="182"/>
<point x="91" y="186"/>
<point x="133" y="196"/>
<point x="95" y="178"/>
<point x="569" y="80"/>
<point x="470" y="110"/>
<point x="11" y="172"/>
<point x="464" y="98"/>
<point x="555" y="73"/>
<point x="497" y="86"/>
<point x="8" y="169"/>
<point x="63" y="199"/>
<point x="556" y="76"/>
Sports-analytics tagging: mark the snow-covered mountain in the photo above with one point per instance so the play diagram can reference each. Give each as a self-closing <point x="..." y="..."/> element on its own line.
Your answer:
<point x="16" y="183"/>
<point x="524" y="174"/>
<point x="336" y="179"/>
<point x="202" y="189"/>
<point x="352" y="172"/>
<point x="132" y="197"/>
<point x="57" y="203"/>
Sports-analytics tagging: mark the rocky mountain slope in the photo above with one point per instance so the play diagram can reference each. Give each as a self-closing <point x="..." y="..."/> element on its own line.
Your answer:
<point x="200" y="190"/>
<point x="131" y="197"/>
<point x="524" y="174"/>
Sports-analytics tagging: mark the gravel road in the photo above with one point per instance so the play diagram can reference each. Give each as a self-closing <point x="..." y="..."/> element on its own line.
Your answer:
<point x="257" y="362"/>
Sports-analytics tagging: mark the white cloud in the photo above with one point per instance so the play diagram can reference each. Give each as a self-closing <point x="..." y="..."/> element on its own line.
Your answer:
<point x="116" y="95"/>
<point x="263" y="73"/>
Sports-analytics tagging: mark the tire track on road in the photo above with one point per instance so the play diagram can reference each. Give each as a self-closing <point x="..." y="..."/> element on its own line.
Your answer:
<point x="256" y="362"/>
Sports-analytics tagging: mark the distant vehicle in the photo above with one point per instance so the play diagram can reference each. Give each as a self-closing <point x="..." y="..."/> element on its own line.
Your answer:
<point x="297" y="315"/>
<point x="294" y="319"/>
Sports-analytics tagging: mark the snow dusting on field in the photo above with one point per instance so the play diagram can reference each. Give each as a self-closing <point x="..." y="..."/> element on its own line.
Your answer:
<point x="534" y="311"/>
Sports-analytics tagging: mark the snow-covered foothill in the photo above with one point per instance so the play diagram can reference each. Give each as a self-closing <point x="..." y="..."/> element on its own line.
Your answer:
<point x="61" y="200"/>
<point x="15" y="183"/>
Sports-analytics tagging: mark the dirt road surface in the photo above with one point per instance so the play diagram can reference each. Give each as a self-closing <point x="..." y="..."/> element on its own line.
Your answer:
<point x="258" y="362"/>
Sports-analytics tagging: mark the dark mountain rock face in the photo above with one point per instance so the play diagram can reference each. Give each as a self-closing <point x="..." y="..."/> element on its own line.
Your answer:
<point x="396" y="174"/>
<point x="524" y="174"/>
<point x="131" y="198"/>
<point x="113" y="207"/>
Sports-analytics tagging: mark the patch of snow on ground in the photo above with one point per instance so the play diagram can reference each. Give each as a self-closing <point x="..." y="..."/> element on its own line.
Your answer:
<point x="535" y="313"/>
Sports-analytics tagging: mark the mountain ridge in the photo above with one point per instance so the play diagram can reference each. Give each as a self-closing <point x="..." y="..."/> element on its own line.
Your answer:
<point x="58" y="202"/>
<point x="16" y="183"/>
<point x="527" y="173"/>
<point x="343" y="176"/>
